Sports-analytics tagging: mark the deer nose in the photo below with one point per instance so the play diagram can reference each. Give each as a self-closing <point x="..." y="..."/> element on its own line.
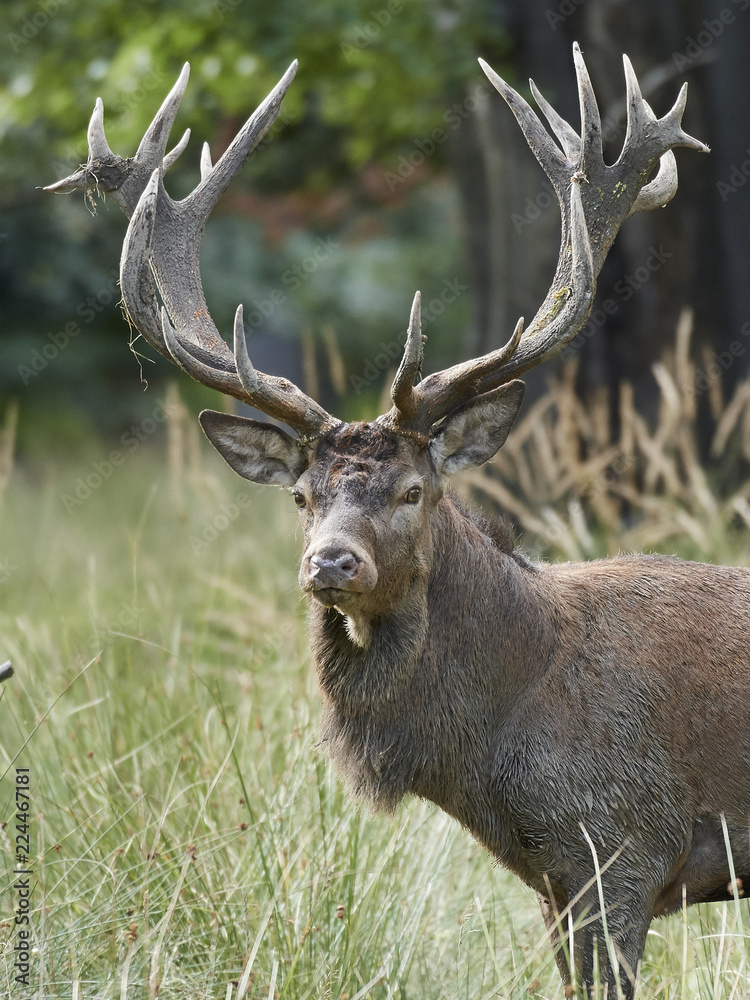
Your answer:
<point x="333" y="572"/>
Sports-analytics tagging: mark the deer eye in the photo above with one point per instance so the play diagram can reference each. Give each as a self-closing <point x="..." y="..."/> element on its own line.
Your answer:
<point x="413" y="495"/>
<point x="299" y="499"/>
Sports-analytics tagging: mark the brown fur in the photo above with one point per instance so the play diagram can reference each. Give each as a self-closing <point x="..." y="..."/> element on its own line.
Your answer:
<point x="531" y="700"/>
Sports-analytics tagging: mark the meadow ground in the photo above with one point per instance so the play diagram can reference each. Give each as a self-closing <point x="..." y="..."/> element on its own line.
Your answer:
<point x="187" y="839"/>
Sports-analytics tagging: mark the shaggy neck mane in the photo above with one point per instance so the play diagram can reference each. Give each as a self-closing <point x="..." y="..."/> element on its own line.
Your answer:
<point x="374" y="696"/>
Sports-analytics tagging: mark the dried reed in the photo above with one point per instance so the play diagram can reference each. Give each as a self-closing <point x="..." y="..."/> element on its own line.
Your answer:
<point x="575" y="492"/>
<point x="8" y="445"/>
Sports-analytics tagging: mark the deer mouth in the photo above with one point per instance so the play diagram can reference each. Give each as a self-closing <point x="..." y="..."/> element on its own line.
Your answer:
<point x="330" y="597"/>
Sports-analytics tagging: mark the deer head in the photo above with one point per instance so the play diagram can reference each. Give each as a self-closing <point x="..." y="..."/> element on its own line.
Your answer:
<point x="365" y="490"/>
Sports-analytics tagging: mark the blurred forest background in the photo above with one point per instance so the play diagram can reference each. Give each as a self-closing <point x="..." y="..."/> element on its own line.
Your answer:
<point x="186" y="838"/>
<point x="392" y="167"/>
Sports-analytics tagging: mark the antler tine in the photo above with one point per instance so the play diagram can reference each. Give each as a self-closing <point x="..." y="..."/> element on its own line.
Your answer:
<point x="99" y="152"/>
<point x="661" y="189"/>
<point x="214" y="372"/>
<point x="432" y="399"/>
<point x="171" y="158"/>
<point x="216" y="180"/>
<point x="153" y="145"/>
<point x="591" y="121"/>
<point x="411" y="363"/>
<point x="566" y="134"/>
<point x="540" y="143"/>
<point x="248" y="376"/>
<point x="206" y="165"/>
<point x="277" y="397"/>
<point x="674" y="116"/>
<point x="595" y="199"/>
<point x="97" y="139"/>
<point x="637" y="109"/>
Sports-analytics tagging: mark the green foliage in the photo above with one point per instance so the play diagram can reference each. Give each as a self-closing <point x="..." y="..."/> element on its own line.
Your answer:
<point x="379" y="74"/>
<point x="373" y="81"/>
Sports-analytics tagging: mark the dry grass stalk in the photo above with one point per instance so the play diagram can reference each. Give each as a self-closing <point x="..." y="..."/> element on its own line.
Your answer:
<point x="177" y="417"/>
<point x="310" y="363"/>
<point x="567" y="484"/>
<point x="683" y="364"/>
<point x="715" y="393"/>
<point x="8" y="445"/>
<point x="729" y="418"/>
<point x="336" y="366"/>
<point x="385" y="402"/>
<point x="184" y="457"/>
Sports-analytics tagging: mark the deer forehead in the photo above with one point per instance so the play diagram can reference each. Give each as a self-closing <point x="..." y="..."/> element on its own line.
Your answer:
<point x="364" y="460"/>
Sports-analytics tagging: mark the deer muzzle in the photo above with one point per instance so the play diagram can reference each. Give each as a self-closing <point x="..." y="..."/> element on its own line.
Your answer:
<point x="336" y="573"/>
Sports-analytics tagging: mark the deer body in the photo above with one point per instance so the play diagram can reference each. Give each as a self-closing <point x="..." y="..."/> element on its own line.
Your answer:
<point x="527" y="700"/>
<point x="588" y="723"/>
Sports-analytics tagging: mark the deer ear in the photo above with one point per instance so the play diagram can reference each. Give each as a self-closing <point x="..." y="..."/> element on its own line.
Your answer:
<point x="257" y="451"/>
<point x="473" y="434"/>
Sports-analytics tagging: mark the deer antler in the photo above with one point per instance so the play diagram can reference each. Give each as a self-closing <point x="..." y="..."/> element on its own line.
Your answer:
<point x="161" y="251"/>
<point x="595" y="199"/>
<point x="161" y="248"/>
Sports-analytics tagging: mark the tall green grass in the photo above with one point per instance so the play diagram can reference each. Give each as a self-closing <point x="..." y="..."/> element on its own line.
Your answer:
<point x="188" y="838"/>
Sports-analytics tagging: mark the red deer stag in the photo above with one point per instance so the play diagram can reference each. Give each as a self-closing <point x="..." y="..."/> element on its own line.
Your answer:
<point x="588" y="723"/>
